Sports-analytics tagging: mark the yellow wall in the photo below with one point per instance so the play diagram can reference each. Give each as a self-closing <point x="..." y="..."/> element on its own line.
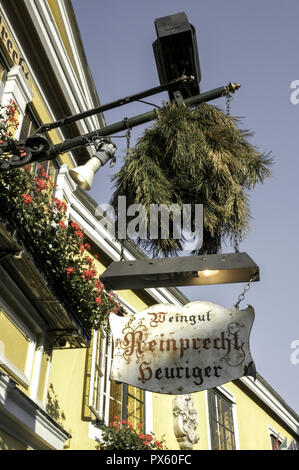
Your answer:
<point x="253" y="421"/>
<point x="163" y="420"/>
<point x="66" y="396"/>
<point x="43" y="377"/>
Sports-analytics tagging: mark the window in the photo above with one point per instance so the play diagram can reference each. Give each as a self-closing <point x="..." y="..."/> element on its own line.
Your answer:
<point x="30" y="124"/>
<point x="3" y="73"/>
<point x="108" y="398"/>
<point x="221" y="421"/>
<point x="276" y="441"/>
<point x="17" y="346"/>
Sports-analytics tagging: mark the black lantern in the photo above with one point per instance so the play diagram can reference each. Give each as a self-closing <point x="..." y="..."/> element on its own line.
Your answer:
<point x="176" y="52"/>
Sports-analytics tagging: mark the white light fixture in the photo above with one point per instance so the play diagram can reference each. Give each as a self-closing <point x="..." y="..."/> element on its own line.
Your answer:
<point x="83" y="175"/>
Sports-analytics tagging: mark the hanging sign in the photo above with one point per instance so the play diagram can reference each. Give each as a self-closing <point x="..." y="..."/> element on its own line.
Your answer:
<point x="179" y="350"/>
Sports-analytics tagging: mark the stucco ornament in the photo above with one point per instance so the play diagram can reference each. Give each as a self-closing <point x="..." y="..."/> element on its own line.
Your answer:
<point x="180" y="350"/>
<point x="185" y="421"/>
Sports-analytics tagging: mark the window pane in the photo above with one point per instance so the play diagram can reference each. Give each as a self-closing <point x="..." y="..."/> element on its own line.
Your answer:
<point x="221" y="420"/>
<point x="109" y="397"/>
<point x="135" y="406"/>
<point x="14" y="343"/>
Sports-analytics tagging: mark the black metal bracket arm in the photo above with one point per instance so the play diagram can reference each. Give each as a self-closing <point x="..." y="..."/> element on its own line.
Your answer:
<point x="181" y="82"/>
<point x="37" y="148"/>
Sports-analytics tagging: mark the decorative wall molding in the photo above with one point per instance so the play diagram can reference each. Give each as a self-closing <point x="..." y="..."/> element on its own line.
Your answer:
<point x="185" y="421"/>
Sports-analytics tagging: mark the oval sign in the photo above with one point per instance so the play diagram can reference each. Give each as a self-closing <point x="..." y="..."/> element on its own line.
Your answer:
<point x="177" y="350"/>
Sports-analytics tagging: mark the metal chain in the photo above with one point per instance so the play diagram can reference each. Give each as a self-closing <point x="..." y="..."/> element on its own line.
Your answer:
<point x="246" y="289"/>
<point x="122" y="249"/>
<point x="128" y="133"/>
<point x="128" y="137"/>
<point x="228" y="100"/>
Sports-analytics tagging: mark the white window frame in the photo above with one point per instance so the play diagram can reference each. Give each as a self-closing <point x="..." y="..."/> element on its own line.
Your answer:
<point x="23" y="377"/>
<point x="276" y="434"/>
<point x="102" y="413"/>
<point x="231" y="397"/>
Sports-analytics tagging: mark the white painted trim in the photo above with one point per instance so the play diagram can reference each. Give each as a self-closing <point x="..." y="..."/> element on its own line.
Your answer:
<point x="21" y="417"/>
<point x="46" y="386"/>
<point x="208" y="419"/>
<point x="81" y="70"/>
<point x="17" y="89"/>
<point x="36" y="369"/>
<point x="92" y="368"/>
<point x="148" y="404"/>
<point x="44" y="23"/>
<point x="226" y="393"/>
<point x="272" y="402"/>
<point x="108" y="385"/>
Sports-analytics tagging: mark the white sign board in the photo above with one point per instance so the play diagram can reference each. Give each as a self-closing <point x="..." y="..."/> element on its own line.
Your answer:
<point x="179" y="350"/>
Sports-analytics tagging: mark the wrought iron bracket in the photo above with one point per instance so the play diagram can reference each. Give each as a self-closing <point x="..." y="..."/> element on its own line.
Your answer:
<point x="64" y="339"/>
<point x="37" y="148"/>
<point x="23" y="152"/>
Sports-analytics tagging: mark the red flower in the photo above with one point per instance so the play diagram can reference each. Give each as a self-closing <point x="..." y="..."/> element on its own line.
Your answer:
<point x="77" y="230"/>
<point x="89" y="260"/>
<point x="62" y="225"/>
<point x="27" y="198"/>
<point x="79" y="234"/>
<point x="99" y="285"/>
<point x="41" y="184"/>
<point x="89" y="274"/>
<point x="69" y="270"/>
<point x="75" y="225"/>
<point x="98" y="300"/>
<point x="61" y="206"/>
<point x="81" y="247"/>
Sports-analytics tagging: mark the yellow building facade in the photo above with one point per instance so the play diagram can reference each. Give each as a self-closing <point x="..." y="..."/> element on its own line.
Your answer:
<point x="55" y="391"/>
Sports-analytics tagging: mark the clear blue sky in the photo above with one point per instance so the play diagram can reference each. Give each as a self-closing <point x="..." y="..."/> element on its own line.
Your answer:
<point x="255" y="43"/>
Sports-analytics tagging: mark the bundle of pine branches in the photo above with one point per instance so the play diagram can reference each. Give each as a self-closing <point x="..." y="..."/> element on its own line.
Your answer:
<point x="194" y="156"/>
